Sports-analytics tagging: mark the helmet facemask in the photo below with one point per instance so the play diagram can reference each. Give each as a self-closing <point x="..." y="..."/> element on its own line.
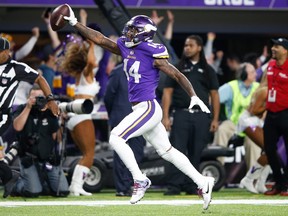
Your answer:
<point x="139" y="29"/>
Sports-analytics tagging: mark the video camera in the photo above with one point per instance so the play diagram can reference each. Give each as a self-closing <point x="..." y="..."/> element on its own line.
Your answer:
<point x="78" y="106"/>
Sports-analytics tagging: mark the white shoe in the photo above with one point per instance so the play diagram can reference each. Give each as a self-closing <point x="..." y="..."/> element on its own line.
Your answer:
<point x="77" y="191"/>
<point x="139" y="190"/>
<point x="260" y="187"/>
<point x="248" y="184"/>
<point x="206" y="192"/>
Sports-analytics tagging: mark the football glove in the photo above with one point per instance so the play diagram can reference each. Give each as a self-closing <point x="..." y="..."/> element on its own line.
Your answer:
<point x="71" y="19"/>
<point x="196" y="101"/>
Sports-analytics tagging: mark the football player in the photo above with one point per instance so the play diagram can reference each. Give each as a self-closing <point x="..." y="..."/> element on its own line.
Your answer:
<point x="143" y="60"/>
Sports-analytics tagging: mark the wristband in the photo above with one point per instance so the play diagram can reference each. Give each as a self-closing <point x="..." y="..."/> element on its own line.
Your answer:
<point x="50" y="97"/>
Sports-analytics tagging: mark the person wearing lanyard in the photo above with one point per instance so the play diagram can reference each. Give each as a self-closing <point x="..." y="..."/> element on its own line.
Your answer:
<point x="276" y="123"/>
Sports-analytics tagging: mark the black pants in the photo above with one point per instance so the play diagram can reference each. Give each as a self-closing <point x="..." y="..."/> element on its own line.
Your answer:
<point x="190" y="135"/>
<point x="276" y="125"/>
<point x="5" y="172"/>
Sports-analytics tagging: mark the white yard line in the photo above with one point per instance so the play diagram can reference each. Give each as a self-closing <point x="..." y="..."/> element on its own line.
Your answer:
<point x="154" y="202"/>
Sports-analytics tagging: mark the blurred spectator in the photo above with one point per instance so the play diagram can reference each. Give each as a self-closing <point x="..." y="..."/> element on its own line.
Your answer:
<point x="48" y="66"/>
<point x="257" y="61"/>
<point x="208" y="48"/>
<point x="236" y="95"/>
<point x="214" y="58"/>
<point x="101" y="57"/>
<point x="63" y="84"/>
<point x="24" y="50"/>
<point x="233" y="63"/>
<point x="170" y="25"/>
<point x="190" y="131"/>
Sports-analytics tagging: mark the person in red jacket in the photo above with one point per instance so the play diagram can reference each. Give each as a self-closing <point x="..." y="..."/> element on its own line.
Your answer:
<point x="276" y="124"/>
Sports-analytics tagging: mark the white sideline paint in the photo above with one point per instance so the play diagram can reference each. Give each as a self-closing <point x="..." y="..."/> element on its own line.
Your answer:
<point x="152" y="202"/>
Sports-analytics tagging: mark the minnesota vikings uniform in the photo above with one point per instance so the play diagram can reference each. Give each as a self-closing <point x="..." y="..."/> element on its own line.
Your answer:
<point x="143" y="79"/>
<point x="139" y="53"/>
<point x="146" y="117"/>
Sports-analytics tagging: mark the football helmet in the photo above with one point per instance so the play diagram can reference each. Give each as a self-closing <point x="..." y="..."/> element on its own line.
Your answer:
<point x="138" y="29"/>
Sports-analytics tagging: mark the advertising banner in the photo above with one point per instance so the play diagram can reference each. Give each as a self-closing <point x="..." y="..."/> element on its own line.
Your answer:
<point x="187" y="4"/>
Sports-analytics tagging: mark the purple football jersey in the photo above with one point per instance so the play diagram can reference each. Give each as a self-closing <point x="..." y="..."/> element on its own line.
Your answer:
<point x="142" y="76"/>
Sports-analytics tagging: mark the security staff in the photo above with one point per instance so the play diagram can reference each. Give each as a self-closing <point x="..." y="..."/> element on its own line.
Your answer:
<point x="190" y="131"/>
<point x="276" y="123"/>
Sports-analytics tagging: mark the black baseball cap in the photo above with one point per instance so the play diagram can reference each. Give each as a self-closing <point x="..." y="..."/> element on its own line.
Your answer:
<point x="281" y="41"/>
<point x="4" y="44"/>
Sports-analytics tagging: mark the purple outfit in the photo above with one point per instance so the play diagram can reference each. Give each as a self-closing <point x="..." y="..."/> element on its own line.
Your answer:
<point x="138" y="61"/>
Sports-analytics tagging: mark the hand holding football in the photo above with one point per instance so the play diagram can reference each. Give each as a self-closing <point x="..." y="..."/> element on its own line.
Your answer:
<point x="57" y="21"/>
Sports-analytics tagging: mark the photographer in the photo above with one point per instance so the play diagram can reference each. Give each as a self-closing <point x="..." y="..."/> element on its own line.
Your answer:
<point x="36" y="129"/>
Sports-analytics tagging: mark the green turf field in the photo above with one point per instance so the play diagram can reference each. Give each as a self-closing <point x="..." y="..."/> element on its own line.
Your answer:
<point x="226" y="202"/>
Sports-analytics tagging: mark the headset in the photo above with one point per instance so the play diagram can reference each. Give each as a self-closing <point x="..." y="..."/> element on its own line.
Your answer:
<point x="243" y="74"/>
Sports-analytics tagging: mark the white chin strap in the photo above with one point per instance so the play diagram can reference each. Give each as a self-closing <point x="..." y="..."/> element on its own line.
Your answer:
<point x="131" y="44"/>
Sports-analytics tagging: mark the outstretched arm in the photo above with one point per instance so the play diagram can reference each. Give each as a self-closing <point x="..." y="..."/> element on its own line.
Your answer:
<point x="29" y="45"/>
<point x="173" y="72"/>
<point x="95" y="36"/>
<point x="98" y="38"/>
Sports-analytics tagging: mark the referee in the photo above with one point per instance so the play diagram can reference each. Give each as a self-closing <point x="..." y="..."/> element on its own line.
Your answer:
<point x="11" y="73"/>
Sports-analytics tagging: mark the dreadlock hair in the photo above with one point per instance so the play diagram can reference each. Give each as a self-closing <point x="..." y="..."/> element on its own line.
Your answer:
<point x="202" y="59"/>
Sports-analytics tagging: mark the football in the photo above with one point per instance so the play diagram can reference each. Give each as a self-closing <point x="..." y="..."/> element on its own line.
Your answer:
<point x="57" y="21"/>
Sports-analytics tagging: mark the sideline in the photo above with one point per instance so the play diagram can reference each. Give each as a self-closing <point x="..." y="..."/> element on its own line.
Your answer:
<point x="153" y="202"/>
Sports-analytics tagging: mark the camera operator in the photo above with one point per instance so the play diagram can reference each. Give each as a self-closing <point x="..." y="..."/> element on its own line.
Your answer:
<point x="36" y="129"/>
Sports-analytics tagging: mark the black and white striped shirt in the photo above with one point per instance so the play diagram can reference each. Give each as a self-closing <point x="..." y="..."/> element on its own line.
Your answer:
<point x="11" y="73"/>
